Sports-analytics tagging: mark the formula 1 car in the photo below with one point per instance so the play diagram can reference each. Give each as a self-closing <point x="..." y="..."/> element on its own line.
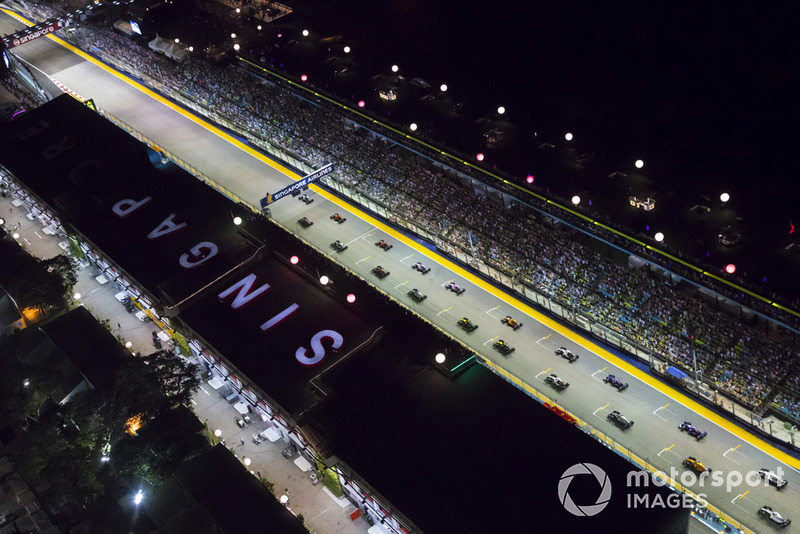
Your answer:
<point x="513" y="323"/>
<point x="380" y="272"/>
<point x="338" y="218"/>
<point x="564" y="352"/>
<point x="421" y="268"/>
<point x="768" y="513"/>
<point x="338" y="246"/>
<point x="466" y="324"/>
<point x="455" y="288"/>
<point x="692" y="430"/>
<point x="383" y="244"/>
<point x="619" y="419"/>
<point x="304" y="222"/>
<point x="417" y="295"/>
<point x="305" y="198"/>
<point x="503" y="348"/>
<point x="772" y="478"/>
<point x="616" y="382"/>
<point x="556" y="382"/>
<point x="695" y="465"/>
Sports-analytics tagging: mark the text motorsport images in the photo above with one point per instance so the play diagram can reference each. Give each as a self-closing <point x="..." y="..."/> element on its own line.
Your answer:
<point x="643" y="479"/>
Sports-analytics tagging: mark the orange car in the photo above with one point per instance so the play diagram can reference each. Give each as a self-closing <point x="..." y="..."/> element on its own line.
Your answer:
<point x="513" y="323"/>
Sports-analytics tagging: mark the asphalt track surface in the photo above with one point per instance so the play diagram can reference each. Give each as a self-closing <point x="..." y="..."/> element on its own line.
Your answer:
<point x="656" y="408"/>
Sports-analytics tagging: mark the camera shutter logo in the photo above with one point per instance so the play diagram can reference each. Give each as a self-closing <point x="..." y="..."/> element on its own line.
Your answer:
<point x="602" y="499"/>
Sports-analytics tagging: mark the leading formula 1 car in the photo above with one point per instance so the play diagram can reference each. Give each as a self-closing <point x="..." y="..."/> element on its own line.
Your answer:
<point x="417" y="295"/>
<point x="380" y="272"/>
<point x="768" y="513"/>
<point x="510" y="321"/>
<point x="616" y="382"/>
<point x="466" y="324"/>
<point x="338" y="246"/>
<point x="421" y="268"/>
<point x="619" y="419"/>
<point x="503" y="347"/>
<point x="564" y="352"/>
<point x="338" y="218"/>
<point x="383" y="244"/>
<point x="307" y="199"/>
<point x="556" y="382"/>
<point x="455" y="288"/>
<point x="692" y="430"/>
<point x="304" y="222"/>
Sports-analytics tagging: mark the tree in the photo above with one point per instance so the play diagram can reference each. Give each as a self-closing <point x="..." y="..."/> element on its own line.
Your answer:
<point x="177" y="378"/>
<point x="66" y="269"/>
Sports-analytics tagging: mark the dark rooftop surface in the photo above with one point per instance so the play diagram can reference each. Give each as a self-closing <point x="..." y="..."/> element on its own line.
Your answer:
<point x="472" y="455"/>
<point x="268" y="358"/>
<point x="92" y="349"/>
<point x="225" y="491"/>
<point x="83" y="165"/>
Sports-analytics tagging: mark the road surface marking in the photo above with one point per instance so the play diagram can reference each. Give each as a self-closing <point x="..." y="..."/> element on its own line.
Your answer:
<point x="398" y="285"/>
<point x="363" y="259"/>
<point x="404" y="259"/>
<point x="601" y="408"/>
<point x="666" y="450"/>
<point x="445" y="310"/>
<point x="599" y="371"/>
<point x="543" y="372"/>
<point x="361" y="236"/>
<point x="453" y="280"/>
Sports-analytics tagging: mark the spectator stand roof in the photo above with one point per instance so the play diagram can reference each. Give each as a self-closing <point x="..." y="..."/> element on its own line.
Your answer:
<point x="214" y="493"/>
<point x="143" y="215"/>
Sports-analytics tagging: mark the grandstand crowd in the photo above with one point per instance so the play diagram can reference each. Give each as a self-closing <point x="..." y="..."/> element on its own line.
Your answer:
<point x="746" y="360"/>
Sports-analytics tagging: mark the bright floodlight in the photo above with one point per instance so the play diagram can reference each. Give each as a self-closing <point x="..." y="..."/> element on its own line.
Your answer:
<point x="303" y="77"/>
<point x="351" y="298"/>
<point x="440" y="358"/>
<point x="501" y="110"/>
<point x="191" y="49"/>
<point x="361" y="103"/>
<point x="305" y="33"/>
<point x="730" y="268"/>
<point x="443" y="87"/>
<point x="137" y="499"/>
<point x="395" y="68"/>
<point x="26" y="383"/>
<point x="724" y="197"/>
<point x="294" y="260"/>
<point x="236" y="47"/>
<point x="177" y="40"/>
<point x="659" y="237"/>
<point x="480" y="157"/>
<point x="568" y="136"/>
<point x="233" y="36"/>
<point x="238" y="10"/>
<point x="237" y="220"/>
<point x="346" y="49"/>
<point x="258" y="27"/>
<point x="128" y="344"/>
<point x="76" y="296"/>
<point x="2" y="221"/>
<point x="218" y="432"/>
<point x="639" y="164"/>
<point x="247" y="461"/>
<point x="413" y="127"/>
<point x="15" y="235"/>
<point x="324" y="280"/>
<point x="284" y="499"/>
<point x="576" y="200"/>
<point x="529" y="179"/>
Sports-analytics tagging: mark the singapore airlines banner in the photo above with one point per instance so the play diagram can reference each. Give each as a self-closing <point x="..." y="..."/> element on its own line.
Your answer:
<point x="297" y="186"/>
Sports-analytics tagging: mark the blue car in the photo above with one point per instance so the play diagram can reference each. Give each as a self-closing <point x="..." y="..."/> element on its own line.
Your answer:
<point x="616" y="382"/>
